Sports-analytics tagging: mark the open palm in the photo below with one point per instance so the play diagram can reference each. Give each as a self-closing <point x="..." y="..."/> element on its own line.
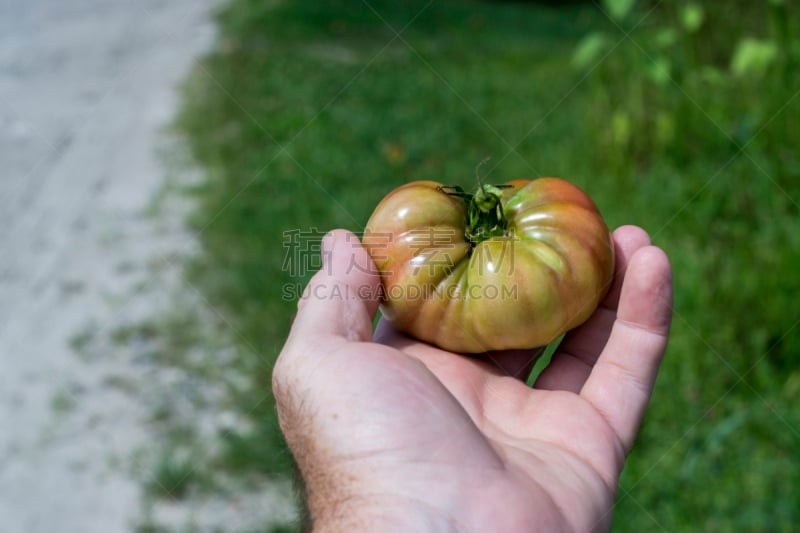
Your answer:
<point x="395" y="433"/>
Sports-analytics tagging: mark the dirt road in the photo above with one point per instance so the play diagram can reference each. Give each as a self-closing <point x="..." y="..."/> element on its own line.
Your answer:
<point x="85" y="87"/>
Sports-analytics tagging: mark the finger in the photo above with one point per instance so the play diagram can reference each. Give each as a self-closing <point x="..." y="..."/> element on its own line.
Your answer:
<point x="337" y="306"/>
<point x="342" y="298"/>
<point x="627" y="239"/>
<point x="573" y="361"/>
<point x="621" y="381"/>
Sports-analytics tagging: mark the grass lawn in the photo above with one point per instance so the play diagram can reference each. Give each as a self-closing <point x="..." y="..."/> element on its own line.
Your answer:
<point x="307" y="113"/>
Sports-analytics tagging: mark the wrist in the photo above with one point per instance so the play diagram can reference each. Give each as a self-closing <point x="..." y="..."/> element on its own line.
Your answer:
<point x="378" y="512"/>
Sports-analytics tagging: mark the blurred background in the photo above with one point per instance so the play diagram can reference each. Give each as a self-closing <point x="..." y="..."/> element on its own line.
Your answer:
<point x="678" y="116"/>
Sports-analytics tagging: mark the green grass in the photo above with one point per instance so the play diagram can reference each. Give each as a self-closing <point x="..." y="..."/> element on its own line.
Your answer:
<point x="307" y="113"/>
<point x="173" y="477"/>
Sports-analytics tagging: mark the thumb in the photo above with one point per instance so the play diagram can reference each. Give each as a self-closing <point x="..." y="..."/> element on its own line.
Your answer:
<point x="341" y="299"/>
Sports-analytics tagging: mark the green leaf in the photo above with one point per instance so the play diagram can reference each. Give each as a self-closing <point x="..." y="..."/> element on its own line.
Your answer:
<point x="692" y="17"/>
<point x="753" y="57"/>
<point x="665" y="127"/>
<point x="619" y="9"/>
<point x="621" y="128"/>
<point x="659" y="71"/>
<point x="712" y="75"/>
<point x="665" y="37"/>
<point x="589" y="49"/>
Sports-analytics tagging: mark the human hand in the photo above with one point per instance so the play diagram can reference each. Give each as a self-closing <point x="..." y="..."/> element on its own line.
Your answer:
<point x="390" y="433"/>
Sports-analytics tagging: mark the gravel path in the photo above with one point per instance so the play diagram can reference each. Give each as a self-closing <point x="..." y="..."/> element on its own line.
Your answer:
<point x="85" y="88"/>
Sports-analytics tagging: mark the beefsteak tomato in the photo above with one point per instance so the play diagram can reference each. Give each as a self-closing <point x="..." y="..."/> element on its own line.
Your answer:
<point x="510" y="266"/>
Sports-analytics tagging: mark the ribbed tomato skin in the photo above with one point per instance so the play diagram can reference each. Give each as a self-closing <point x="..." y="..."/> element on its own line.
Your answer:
<point x="522" y="290"/>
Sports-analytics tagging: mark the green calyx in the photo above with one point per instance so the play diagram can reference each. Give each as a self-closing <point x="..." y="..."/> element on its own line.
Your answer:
<point x="485" y="217"/>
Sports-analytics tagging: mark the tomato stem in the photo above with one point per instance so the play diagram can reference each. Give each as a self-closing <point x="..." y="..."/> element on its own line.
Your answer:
<point x="485" y="217"/>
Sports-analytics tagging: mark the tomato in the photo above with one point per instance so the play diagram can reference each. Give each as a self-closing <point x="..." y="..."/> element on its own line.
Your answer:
<point x="511" y="266"/>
